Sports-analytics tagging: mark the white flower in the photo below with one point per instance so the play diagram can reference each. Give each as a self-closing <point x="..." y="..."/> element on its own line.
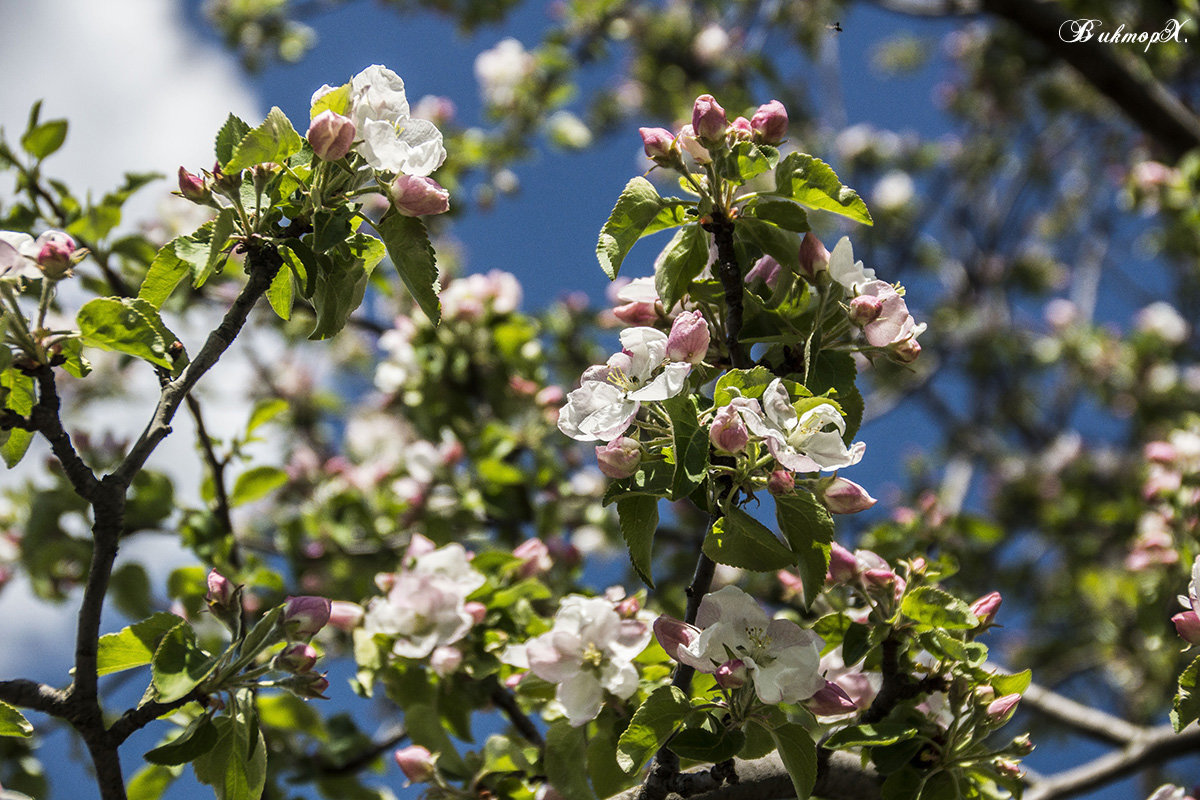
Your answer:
<point x="1163" y="321"/>
<point x="392" y="141"/>
<point x="893" y="191"/>
<point x="845" y="270"/>
<point x="894" y="324"/>
<point x="589" y="650"/>
<point x="802" y="442"/>
<point x="567" y="130"/>
<point x="501" y="69"/>
<point x="18" y="256"/>
<point x="609" y="397"/>
<point x="423" y="614"/>
<point x="783" y="658"/>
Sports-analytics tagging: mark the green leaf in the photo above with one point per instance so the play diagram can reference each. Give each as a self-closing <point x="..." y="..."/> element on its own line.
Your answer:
<point x="42" y="140"/>
<point x="566" y="753"/>
<point x="264" y="411"/>
<point x="746" y="382"/>
<point x="17" y="390"/>
<point x="784" y="213"/>
<point x="837" y="371"/>
<point x="131" y="326"/>
<point x="1011" y="684"/>
<point x="739" y="540"/>
<point x="638" y="205"/>
<point x="179" y="664"/>
<point x="932" y="607"/>
<point x="871" y="735"/>
<point x="651" y="726"/>
<point x="194" y="741"/>
<point x="639" y="521"/>
<point x="798" y="752"/>
<point x="236" y="766"/>
<point x="134" y="646"/>
<point x="166" y="272"/>
<point x="266" y="632"/>
<point x="274" y="140"/>
<point x="409" y="248"/>
<point x="673" y="213"/>
<point x="13" y="722"/>
<point x="747" y="160"/>
<point x="689" y="445"/>
<point x="781" y="245"/>
<point x="336" y="100"/>
<point x="607" y="778"/>
<point x="341" y="283"/>
<point x="231" y="133"/>
<point x="210" y="261"/>
<point x="808" y="528"/>
<point x="706" y="739"/>
<point x="1186" y="708"/>
<point x="279" y="294"/>
<point x="150" y="782"/>
<point x="683" y="259"/>
<point x="255" y="484"/>
<point x="811" y="182"/>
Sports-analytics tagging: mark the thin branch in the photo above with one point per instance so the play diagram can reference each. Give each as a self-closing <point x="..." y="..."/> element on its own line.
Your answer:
<point x="137" y="718"/>
<point x="38" y="696"/>
<point x="216" y="467"/>
<point x="1153" y="747"/>
<point x="358" y="761"/>
<point x="524" y="725"/>
<point x="841" y="777"/>
<point x="264" y="263"/>
<point x="44" y="418"/>
<point x="1089" y="721"/>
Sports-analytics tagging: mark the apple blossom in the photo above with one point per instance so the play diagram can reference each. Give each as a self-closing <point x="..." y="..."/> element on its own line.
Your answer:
<point x="610" y="395"/>
<point x="308" y="685"/>
<point x="297" y="657"/>
<point x="765" y="269"/>
<point x="445" y="660"/>
<point x="331" y="135"/>
<point x="416" y="762"/>
<point x="501" y="70"/>
<point x="1002" y="708"/>
<point x="985" y="608"/>
<point x="830" y="700"/>
<point x="534" y="557"/>
<point x="56" y="251"/>
<point x="588" y="651"/>
<point x="619" y="458"/>
<point x="843" y="496"/>
<point x="193" y="187"/>
<point x="639" y="302"/>
<point x="1187" y="625"/>
<point x="782" y="658"/>
<point x="221" y="591"/>
<point x="305" y="615"/>
<point x="801" y="442"/>
<point x="728" y="432"/>
<point x="739" y="130"/>
<point x="733" y="674"/>
<point x="689" y="338"/>
<point x="673" y="634"/>
<point x="691" y="144"/>
<point x="845" y="270"/>
<point x="416" y="196"/>
<point x="814" y="258"/>
<point x="391" y="140"/>
<point x="708" y="119"/>
<point x="891" y="324"/>
<point x="421" y="613"/>
<point x="660" y="146"/>
<point x="770" y="123"/>
<point x="781" y="482"/>
<point x="345" y="616"/>
<point x="865" y="309"/>
<point x="18" y="256"/>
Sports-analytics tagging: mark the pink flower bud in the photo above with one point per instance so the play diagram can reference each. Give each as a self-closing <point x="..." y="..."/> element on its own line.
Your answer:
<point x="728" y="432"/>
<point x="296" y="658"/>
<point x="881" y="577"/>
<point x="846" y="497"/>
<point x="193" y="188"/>
<point x="907" y="351"/>
<point x="986" y="607"/>
<point x="476" y="609"/>
<point x="814" y="258"/>
<point x="1022" y="744"/>
<point x="830" y="700"/>
<point x="865" y="309"/>
<point x="843" y="566"/>
<point x="55" y="254"/>
<point x="345" y="616"/>
<point x="1000" y="709"/>
<point x="416" y="763"/>
<point x="619" y="458"/>
<point x="790" y="582"/>
<point x="739" y="130"/>
<point x="445" y="660"/>
<point x="629" y="608"/>
<point x="331" y="135"/>
<point x="1187" y="624"/>
<point x="765" y="269"/>
<point x="673" y="634"/>
<point x="308" y="685"/>
<point x="770" y="123"/>
<point x="660" y="145"/>
<point x="781" y="482"/>
<point x="220" y="591"/>
<point x="304" y="616"/>
<point x="1008" y="767"/>
<point x="1162" y="452"/>
<point x="415" y="196"/>
<point x="535" y="557"/>
<point x="732" y="674"/>
<point x="689" y="338"/>
<point x="689" y="142"/>
<point x="708" y="119"/>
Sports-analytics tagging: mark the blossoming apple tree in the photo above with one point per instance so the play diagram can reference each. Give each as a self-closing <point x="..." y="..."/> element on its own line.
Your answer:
<point x="438" y="541"/>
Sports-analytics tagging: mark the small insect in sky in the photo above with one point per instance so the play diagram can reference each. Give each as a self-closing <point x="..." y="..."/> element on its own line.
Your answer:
<point x="837" y="26"/>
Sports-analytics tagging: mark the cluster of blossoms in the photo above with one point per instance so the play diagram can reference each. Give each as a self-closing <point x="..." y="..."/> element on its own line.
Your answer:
<point x="1187" y="623"/>
<point x="710" y="128"/>
<point x="1171" y="489"/>
<point x="588" y="651"/>
<point x="51" y="255"/>
<point x="303" y="617"/>
<point x="425" y="610"/>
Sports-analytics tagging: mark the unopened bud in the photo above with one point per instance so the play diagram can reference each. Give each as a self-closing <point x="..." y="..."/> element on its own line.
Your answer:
<point x="765" y="269"/>
<point x="331" y="135"/>
<point x="842" y="496"/>
<point x="770" y="123"/>
<point x="660" y="146"/>
<point x="1187" y="624"/>
<point x="781" y="482"/>
<point x="814" y="258"/>
<point x="673" y="634"/>
<point x="739" y="130"/>
<point x="56" y="252"/>
<point x="689" y="142"/>
<point x="629" y="608"/>
<point x="476" y="609"/>
<point x="985" y="608"/>
<point x="1002" y="708"/>
<point x="221" y="591"/>
<point x="417" y="763"/>
<point x="307" y="685"/>
<point x="192" y="187"/>
<point x="296" y="658"/>
<point x="619" y="458"/>
<point x="732" y="674"/>
<point x="534" y="556"/>
<point x="345" y="616"/>
<point x="1022" y="744"/>
<point x="728" y="432"/>
<point x="830" y="700"/>
<point x="843" y="566"/>
<point x="708" y="119"/>
<point x="304" y="616"/>
<point x="416" y="196"/>
<point x="907" y="351"/>
<point x="865" y="309"/>
<point x="689" y="338"/>
<point x="1008" y="767"/>
<point x="445" y="660"/>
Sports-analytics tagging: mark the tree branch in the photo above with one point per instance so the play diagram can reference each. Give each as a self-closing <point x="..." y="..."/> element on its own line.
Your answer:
<point x="524" y="725"/>
<point x="38" y="696"/>
<point x="1089" y="721"/>
<point x="135" y="719"/>
<point x="841" y="776"/>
